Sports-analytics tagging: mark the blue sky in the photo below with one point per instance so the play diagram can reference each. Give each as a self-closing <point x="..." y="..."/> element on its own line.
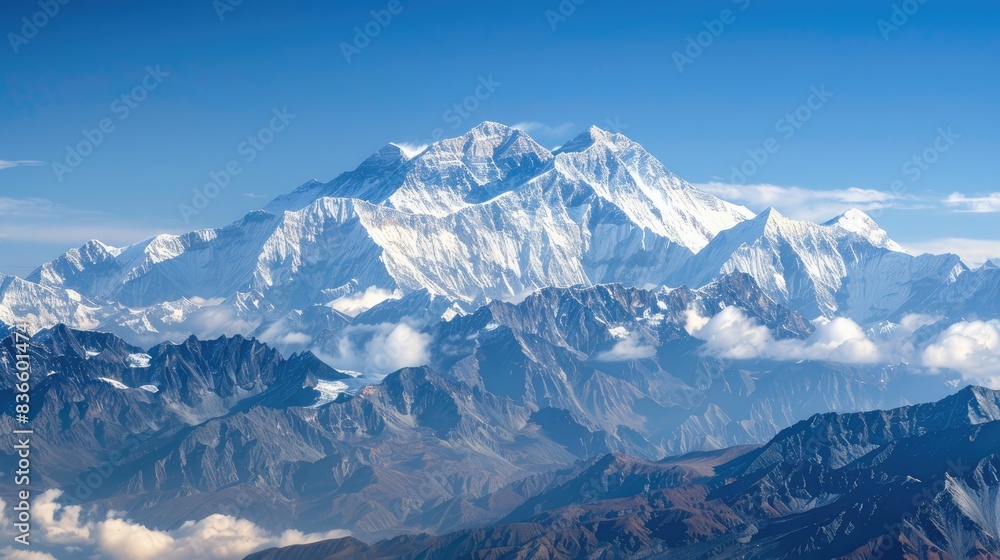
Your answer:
<point x="179" y="88"/>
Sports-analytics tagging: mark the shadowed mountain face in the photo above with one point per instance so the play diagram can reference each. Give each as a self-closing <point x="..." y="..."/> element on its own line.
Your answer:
<point x="515" y="397"/>
<point x="915" y="482"/>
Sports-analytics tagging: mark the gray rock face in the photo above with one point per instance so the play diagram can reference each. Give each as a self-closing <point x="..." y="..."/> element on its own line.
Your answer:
<point x="914" y="482"/>
<point x="513" y="395"/>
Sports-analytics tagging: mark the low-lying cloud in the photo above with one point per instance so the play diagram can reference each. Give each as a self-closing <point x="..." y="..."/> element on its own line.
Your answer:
<point x="627" y="349"/>
<point x="378" y="349"/>
<point x="971" y="348"/>
<point x="359" y="302"/>
<point x="731" y="334"/>
<point x="216" y="537"/>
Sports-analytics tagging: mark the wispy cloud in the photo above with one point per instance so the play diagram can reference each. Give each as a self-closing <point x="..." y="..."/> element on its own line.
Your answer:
<point x="808" y="204"/>
<point x="39" y="220"/>
<point x="411" y="149"/>
<point x="31" y="208"/>
<point x="974" y="252"/>
<point x="6" y="164"/>
<point x="981" y="204"/>
<point x="542" y="129"/>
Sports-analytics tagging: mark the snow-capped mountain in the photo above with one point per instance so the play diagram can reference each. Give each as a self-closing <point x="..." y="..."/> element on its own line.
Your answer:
<point x="848" y="266"/>
<point x="490" y="214"/>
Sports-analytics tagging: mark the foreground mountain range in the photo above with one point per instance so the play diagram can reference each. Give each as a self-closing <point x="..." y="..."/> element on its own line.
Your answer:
<point x="914" y="482"/>
<point x="499" y="344"/>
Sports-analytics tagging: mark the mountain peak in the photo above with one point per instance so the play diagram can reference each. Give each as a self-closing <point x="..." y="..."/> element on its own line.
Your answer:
<point x="853" y="218"/>
<point x="591" y="137"/>
<point x="770" y="217"/>
<point x="857" y="222"/>
<point x="491" y="128"/>
<point x="386" y="155"/>
<point x="992" y="263"/>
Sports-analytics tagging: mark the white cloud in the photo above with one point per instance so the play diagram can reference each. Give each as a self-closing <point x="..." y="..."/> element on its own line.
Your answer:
<point x="411" y="149"/>
<point x="11" y="553"/>
<point x="972" y="348"/>
<point x="807" y="204"/>
<point x="731" y="334"/>
<point x="30" y="207"/>
<point x="377" y="348"/>
<point x="294" y="338"/>
<point x="989" y="202"/>
<point x="542" y="129"/>
<point x="974" y="252"/>
<point x="60" y="524"/>
<point x="839" y="340"/>
<point x="359" y="302"/>
<point x="216" y="537"/>
<point x="627" y="349"/>
<point x="5" y="164"/>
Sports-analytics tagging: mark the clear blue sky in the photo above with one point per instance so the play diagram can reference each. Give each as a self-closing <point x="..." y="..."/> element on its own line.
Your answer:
<point x="605" y="62"/>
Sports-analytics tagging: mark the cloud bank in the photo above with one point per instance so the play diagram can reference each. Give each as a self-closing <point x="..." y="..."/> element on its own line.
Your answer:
<point x="970" y="348"/>
<point x="979" y="204"/>
<point x="217" y="537"/>
<point x="731" y="334"/>
<point x="807" y="204"/>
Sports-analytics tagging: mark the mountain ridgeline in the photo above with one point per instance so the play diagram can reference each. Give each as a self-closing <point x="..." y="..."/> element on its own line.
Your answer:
<point x="490" y="349"/>
<point x="488" y="215"/>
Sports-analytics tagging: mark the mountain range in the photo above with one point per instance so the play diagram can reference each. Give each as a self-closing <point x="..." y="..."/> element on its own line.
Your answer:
<point x="490" y="347"/>
<point x="915" y="482"/>
<point x="490" y="215"/>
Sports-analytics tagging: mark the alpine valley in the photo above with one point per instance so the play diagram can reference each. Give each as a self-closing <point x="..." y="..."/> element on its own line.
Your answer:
<point x="491" y="350"/>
